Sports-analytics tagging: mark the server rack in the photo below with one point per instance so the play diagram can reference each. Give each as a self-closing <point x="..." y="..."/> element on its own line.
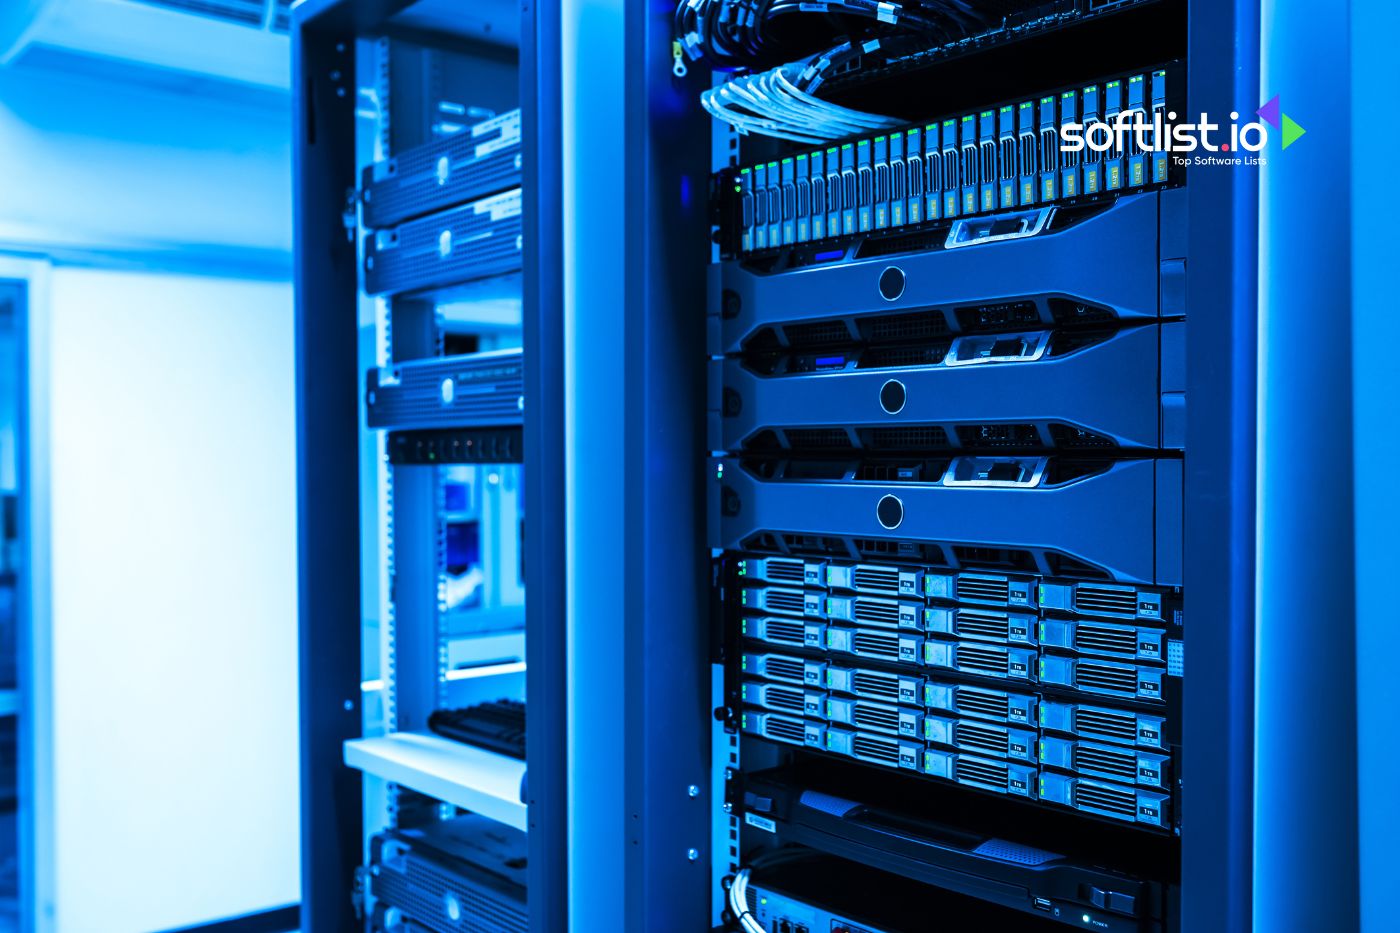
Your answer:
<point x="667" y="739"/>
<point x="361" y="65"/>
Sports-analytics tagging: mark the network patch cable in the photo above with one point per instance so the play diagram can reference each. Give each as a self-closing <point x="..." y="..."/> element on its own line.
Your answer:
<point x="1007" y="156"/>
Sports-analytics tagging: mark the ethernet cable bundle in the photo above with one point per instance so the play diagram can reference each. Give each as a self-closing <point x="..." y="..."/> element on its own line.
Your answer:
<point x="781" y="101"/>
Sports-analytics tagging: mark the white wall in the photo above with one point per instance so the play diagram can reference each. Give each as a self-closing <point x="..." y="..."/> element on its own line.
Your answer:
<point x="174" y="599"/>
<point x="174" y="783"/>
<point x="130" y="161"/>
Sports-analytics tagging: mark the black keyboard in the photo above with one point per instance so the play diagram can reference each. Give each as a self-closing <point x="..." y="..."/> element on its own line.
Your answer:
<point x="498" y="726"/>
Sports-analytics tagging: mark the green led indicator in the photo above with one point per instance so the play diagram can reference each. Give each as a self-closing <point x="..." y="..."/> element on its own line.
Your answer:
<point x="745" y="171"/>
<point x="1135" y="79"/>
<point x="949" y="122"/>
<point x="1027" y="105"/>
<point x="931" y="126"/>
<point x="1006" y="109"/>
<point x="1114" y="83"/>
<point x="969" y="118"/>
<point x="880" y="139"/>
<point x="986" y="113"/>
<point x="831" y="151"/>
<point x="846" y="146"/>
<point x="787" y="160"/>
<point x="912" y="133"/>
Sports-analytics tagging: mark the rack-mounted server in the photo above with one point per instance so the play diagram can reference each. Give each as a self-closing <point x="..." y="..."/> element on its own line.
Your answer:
<point x="1035" y="700"/>
<point x="984" y="878"/>
<point x="466" y="873"/>
<point x="473" y="390"/>
<point x="481" y="160"/>
<point x="474" y="241"/>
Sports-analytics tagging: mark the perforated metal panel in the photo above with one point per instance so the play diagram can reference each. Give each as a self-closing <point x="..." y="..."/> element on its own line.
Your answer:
<point x="1014" y="852"/>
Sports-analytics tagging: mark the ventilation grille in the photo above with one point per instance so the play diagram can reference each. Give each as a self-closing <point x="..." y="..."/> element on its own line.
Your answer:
<point x="876" y="685"/>
<point x="817" y="438"/>
<point x="995" y="436"/>
<point x="1074" y="439"/>
<point x="1011" y="559"/>
<point x="783" y="571"/>
<point x="1107" y="762"/>
<point x="784" y="730"/>
<point x="982" y="659"/>
<point x="783" y="630"/>
<point x="878" y="750"/>
<point x="976" y="736"/>
<point x="784" y="601"/>
<point x="974" y="702"/>
<point x="983" y="773"/>
<point x="927" y="437"/>
<point x="891" y="357"/>
<point x="1093" y="676"/>
<point x="426" y="886"/>
<point x="879" y="718"/>
<point x="817" y="333"/>
<point x="1116" y="639"/>
<point x="1065" y="311"/>
<point x="1106" y="723"/>
<point x="784" y="668"/>
<point x="1112" y="800"/>
<point x="783" y="698"/>
<point x="816" y="545"/>
<point x="876" y="645"/>
<point x="983" y="589"/>
<point x="876" y="578"/>
<point x="999" y="316"/>
<point x="1091" y="598"/>
<point x="877" y="612"/>
<point x="1012" y="852"/>
<point x="922" y="324"/>
<point x="976" y="623"/>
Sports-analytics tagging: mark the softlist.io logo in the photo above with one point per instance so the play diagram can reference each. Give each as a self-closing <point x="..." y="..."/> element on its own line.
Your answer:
<point x="1204" y="142"/>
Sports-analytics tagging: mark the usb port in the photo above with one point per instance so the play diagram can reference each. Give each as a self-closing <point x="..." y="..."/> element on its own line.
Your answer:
<point x="784" y="927"/>
<point x="1042" y="903"/>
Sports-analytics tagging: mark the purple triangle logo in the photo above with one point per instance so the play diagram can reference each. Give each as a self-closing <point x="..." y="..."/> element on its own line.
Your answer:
<point x="1270" y="112"/>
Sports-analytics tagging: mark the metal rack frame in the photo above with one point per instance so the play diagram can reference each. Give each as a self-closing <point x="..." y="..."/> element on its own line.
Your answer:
<point x="324" y="51"/>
